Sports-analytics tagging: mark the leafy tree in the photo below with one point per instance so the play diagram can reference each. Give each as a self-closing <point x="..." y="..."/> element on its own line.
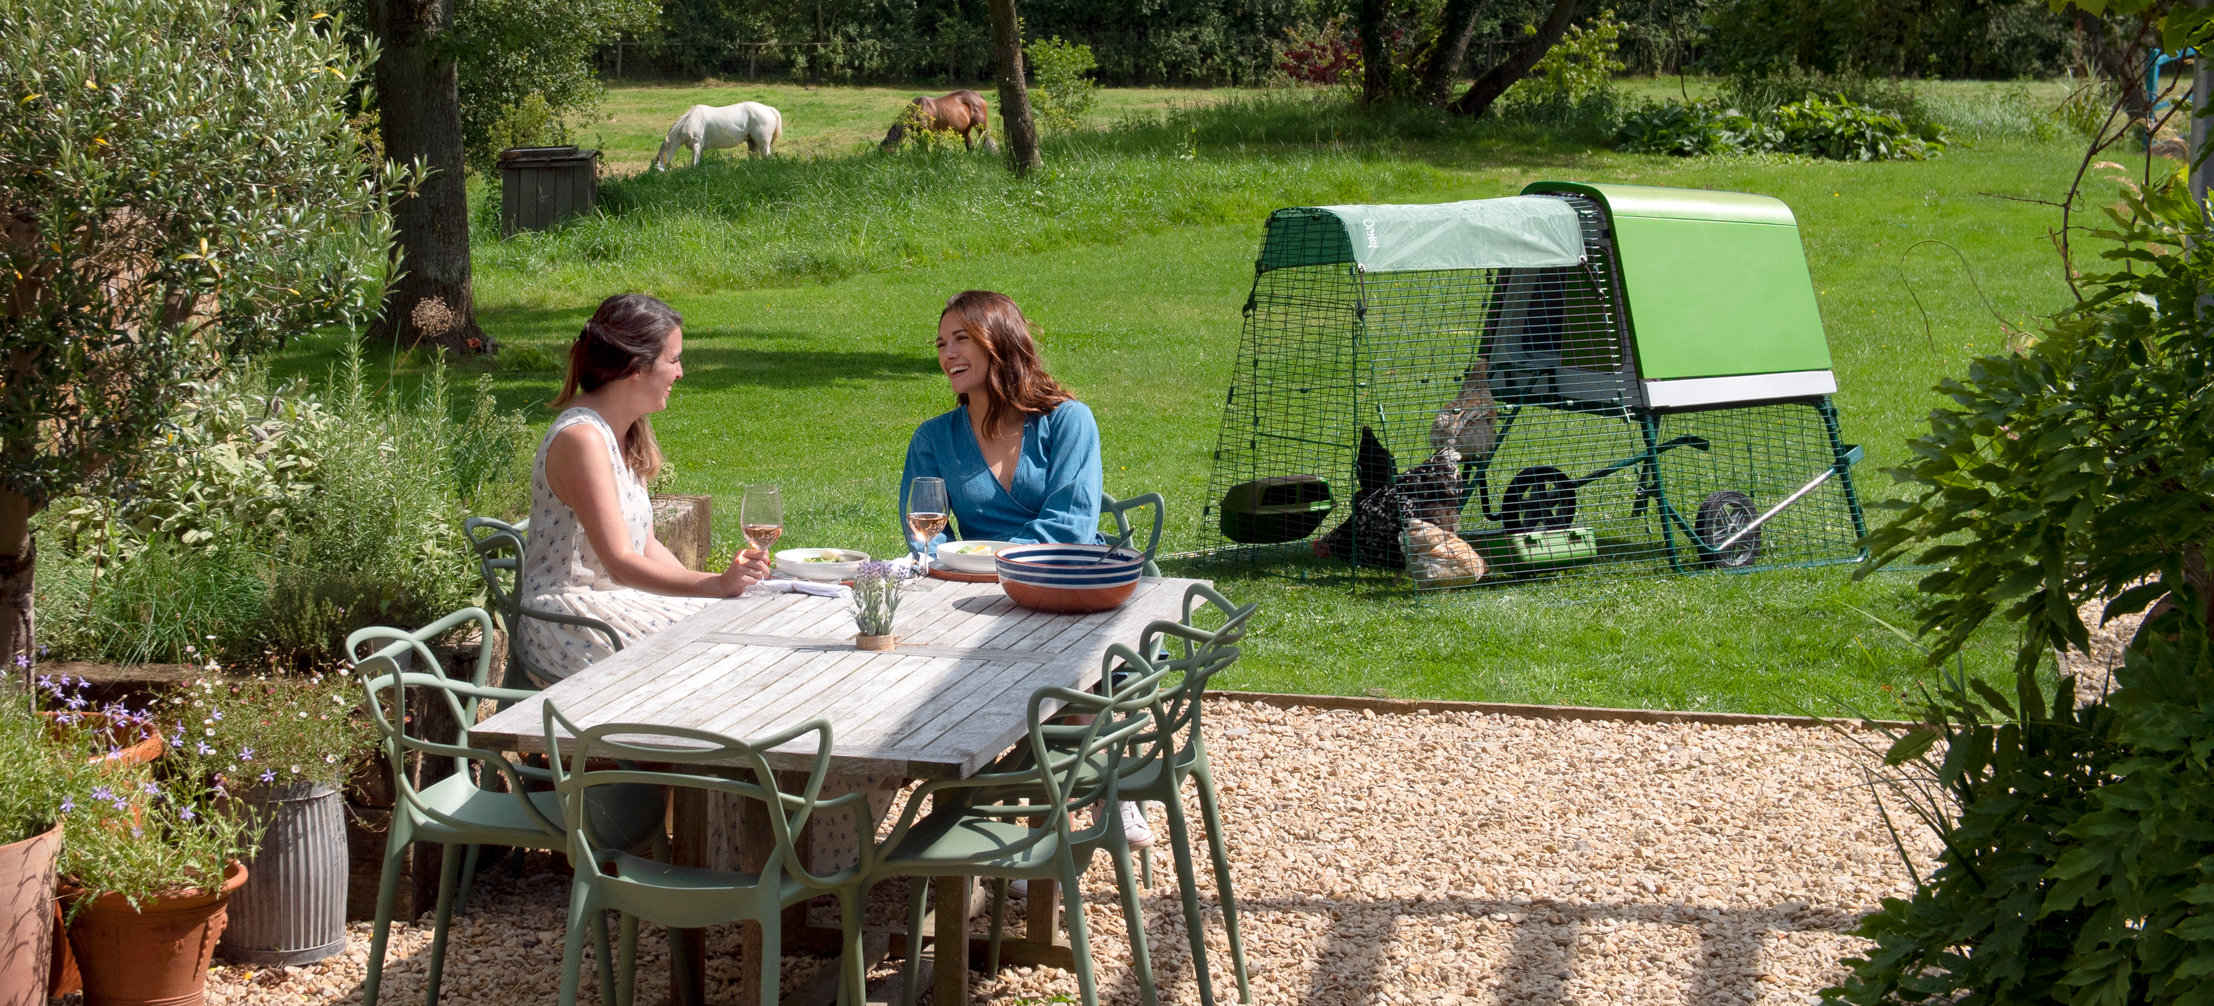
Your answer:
<point x="1064" y="95"/>
<point x="179" y="189"/>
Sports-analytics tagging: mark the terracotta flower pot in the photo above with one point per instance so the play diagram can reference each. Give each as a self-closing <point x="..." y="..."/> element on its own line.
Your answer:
<point x="155" y="957"/>
<point x="26" y="923"/>
<point x="141" y="743"/>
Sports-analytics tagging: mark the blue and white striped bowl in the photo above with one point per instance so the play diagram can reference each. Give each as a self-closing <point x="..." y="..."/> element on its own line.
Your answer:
<point x="1068" y="577"/>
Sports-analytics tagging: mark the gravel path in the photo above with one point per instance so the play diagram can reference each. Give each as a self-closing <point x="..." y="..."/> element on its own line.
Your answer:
<point x="1428" y="858"/>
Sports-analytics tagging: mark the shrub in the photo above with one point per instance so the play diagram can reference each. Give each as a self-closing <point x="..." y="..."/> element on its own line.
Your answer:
<point x="1699" y="129"/>
<point x="1761" y="94"/>
<point x="1062" y="94"/>
<point x="1572" y="85"/>
<point x="2074" y="867"/>
<point x="277" y="521"/>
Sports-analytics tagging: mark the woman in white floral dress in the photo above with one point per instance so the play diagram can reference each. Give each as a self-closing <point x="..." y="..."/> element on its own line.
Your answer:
<point x="592" y="551"/>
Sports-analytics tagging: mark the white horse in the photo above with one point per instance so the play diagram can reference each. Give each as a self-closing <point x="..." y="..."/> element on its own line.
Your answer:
<point x="703" y="127"/>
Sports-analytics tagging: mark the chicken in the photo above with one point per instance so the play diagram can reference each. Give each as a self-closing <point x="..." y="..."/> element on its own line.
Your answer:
<point x="1470" y="424"/>
<point x="1432" y="489"/>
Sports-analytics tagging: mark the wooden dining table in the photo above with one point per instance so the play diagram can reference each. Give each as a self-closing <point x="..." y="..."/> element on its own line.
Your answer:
<point x="950" y="698"/>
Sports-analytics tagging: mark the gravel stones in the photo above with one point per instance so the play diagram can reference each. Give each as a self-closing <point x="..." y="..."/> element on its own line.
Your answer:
<point x="1423" y="858"/>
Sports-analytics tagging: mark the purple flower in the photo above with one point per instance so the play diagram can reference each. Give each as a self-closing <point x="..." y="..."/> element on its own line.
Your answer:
<point x="269" y="775"/>
<point x="138" y="833"/>
<point x="69" y="803"/>
<point x="217" y="714"/>
<point x="46" y="681"/>
<point x="245" y="754"/>
<point x="77" y="702"/>
<point x="150" y="789"/>
<point x="23" y="660"/>
<point x="203" y="748"/>
<point x="177" y="740"/>
<point x="102" y="793"/>
<point x="187" y="814"/>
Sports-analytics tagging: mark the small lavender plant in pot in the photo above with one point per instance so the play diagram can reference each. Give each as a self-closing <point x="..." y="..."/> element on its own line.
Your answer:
<point x="876" y="590"/>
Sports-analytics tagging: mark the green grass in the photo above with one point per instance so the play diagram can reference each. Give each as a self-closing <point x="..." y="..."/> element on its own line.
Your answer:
<point x="811" y="287"/>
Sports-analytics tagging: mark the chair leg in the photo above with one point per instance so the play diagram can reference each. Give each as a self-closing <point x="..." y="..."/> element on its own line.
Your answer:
<point x="572" y="945"/>
<point x="626" y="960"/>
<point x="999" y="925"/>
<point x="910" y="970"/>
<point x="1180" y="847"/>
<point x="449" y="873"/>
<point x="388" y="893"/>
<point x="468" y="880"/>
<point x="604" y="956"/>
<point x="1221" y="855"/>
<point x="680" y="958"/>
<point x="1133" y="915"/>
<point x="853" y="981"/>
<point x="1080" y="934"/>
<point x="772" y="957"/>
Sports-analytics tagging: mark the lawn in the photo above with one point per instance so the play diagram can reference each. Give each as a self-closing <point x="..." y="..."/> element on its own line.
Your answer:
<point x="811" y="285"/>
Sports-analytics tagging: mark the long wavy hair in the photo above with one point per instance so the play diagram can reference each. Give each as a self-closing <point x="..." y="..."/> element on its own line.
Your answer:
<point x="1020" y="386"/>
<point x="625" y="336"/>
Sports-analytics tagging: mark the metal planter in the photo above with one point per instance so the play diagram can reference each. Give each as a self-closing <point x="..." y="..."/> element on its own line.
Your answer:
<point x="293" y="909"/>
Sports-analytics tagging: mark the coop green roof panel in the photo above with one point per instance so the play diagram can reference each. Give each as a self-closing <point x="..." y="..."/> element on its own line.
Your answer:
<point x="1511" y="233"/>
<point x="1717" y="282"/>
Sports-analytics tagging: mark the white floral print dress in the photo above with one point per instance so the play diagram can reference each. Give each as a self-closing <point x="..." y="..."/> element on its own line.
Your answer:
<point x="561" y="572"/>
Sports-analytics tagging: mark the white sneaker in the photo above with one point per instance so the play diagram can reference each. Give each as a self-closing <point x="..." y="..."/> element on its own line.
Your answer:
<point x="1134" y="830"/>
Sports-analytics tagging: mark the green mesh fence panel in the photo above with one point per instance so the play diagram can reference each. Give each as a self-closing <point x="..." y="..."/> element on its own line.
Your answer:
<point x="1508" y="403"/>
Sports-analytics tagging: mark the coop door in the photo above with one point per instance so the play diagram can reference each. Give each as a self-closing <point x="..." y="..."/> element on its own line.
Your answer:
<point x="1550" y="339"/>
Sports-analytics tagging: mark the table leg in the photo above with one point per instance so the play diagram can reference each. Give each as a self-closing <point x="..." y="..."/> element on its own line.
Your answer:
<point x="1042" y="917"/>
<point x="951" y="961"/>
<point x="688" y="846"/>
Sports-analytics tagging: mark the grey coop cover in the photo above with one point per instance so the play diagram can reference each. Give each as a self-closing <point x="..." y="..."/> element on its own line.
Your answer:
<point x="1517" y="232"/>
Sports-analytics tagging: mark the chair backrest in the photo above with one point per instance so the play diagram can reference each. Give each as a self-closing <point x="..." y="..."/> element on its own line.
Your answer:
<point x="1205" y="653"/>
<point x="574" y="752"/>
<point x="1121" y="511"/>
<point x="387" y="683"/>
<point x="499" y="549"/>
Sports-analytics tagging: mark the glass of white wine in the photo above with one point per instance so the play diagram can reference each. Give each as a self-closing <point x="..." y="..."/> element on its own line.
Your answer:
<point x="926" y="513"/>
<point x="761" y="513"/>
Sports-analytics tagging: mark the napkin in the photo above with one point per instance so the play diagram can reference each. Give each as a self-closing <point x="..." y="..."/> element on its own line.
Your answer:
<point x="786" y="585"/>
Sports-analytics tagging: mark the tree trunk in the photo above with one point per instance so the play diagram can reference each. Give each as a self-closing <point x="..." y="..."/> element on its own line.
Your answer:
<point x="1478" y="98"/>
<point x="1014" y="95"/>
<point x="1455" y="27"/>
<point x="2202" y="92"/>
<point x="18" y="564"/>
<point x="1375" y="52"/>
<point x="419" y="107"/>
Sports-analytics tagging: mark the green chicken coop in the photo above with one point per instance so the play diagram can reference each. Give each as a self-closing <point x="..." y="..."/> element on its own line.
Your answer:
<point x="1619" y="376"/>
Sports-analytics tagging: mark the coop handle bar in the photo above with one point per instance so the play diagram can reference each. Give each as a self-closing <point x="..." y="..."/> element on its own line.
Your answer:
<point x="1774" y="510"/>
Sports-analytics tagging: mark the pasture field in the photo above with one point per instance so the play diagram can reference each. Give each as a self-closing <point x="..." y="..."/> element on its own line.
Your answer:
<point x="811" y="286"/>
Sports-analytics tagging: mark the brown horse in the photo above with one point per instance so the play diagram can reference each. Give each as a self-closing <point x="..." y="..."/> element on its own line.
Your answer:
<point x="960" y="112"/>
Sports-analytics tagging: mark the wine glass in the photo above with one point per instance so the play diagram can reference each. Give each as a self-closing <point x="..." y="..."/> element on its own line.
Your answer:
<point x="761" y="513"/>
<point x="926" y="513"/>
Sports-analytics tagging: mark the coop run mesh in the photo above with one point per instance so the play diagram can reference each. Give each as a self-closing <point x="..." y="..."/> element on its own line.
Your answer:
<point x="1428" y="424"/>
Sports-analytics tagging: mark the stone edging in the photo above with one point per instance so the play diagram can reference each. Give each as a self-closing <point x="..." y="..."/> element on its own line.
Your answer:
<point x="1405" y="706"/>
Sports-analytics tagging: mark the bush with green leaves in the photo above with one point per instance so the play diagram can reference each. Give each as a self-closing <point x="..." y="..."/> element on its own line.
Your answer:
<point x="268" y="523"/>
<point x="1699" y="129"/>
<point x="2075" y="863"/>
<point x="1060" y="91"/>
<point x="180" y="189"/>
<point x="1572" y="85"/>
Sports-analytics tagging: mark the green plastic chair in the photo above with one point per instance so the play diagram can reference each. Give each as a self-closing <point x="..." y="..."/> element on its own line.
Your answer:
<point x="1160" y="758"/>
<point x="499" y="549"/>
<point x="455" y="811"/>
<point x="1120" y="509"/>
<point x="609" y="879"/>
<point x="979" y="826"/>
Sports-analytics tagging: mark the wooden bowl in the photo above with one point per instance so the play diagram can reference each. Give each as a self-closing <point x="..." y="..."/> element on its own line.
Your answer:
<point x="1068" y="578"/>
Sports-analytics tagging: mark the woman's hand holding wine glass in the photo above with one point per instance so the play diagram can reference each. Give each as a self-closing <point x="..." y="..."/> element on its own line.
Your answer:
<point x="761" y="513"/>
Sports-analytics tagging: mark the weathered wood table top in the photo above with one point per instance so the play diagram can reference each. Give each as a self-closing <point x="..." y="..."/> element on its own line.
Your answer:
<point x="947" y="701"/>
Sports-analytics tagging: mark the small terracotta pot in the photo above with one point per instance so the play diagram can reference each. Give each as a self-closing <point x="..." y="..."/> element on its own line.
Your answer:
<point x="138" y="752"/>
<point x="157" y="956"/>
<point x="26" y="923"/>
<point x="874" y="642"/>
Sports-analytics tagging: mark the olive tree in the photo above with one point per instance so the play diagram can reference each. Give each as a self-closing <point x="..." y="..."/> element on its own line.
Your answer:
<point x="179" y="189"/>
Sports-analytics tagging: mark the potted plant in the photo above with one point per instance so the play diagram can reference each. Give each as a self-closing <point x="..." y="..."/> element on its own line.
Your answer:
<point x="281" y="745"/>
<point x="876" y="591"/>
<point x="34" y="781"/>
<point x="147" y="871"/>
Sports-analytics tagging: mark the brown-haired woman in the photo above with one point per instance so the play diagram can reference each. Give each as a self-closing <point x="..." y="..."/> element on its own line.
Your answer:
<point x="592" y="551"/>
<point x="1019" y="454"/>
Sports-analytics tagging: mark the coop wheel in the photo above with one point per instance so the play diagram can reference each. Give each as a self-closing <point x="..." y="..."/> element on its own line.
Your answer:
<point x="1721" y="515"/>
<point x="1542" y="498"/>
